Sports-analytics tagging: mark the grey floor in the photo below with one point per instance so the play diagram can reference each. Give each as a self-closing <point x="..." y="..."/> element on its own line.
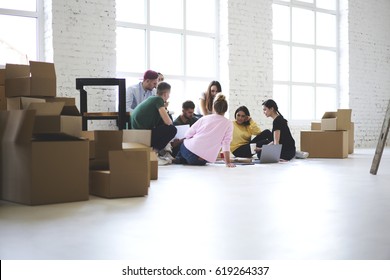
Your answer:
<point x="305" y="209"/>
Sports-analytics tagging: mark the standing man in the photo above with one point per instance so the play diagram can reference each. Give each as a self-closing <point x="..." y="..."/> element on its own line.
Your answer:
<point x="151" y="114"/>
<point x="139" y="92"/>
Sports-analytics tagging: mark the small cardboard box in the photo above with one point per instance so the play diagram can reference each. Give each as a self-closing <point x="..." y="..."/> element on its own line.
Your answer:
<point x="325" y="144"/>
<point x="45" y="170"/>
<point x="340" y="120"/>
<point x="36" y="79"/>
<point x="315" y="126"/>
<point x="128" y="175"/>
<point x="54" y="117"/>
<point x="3" y="100"/>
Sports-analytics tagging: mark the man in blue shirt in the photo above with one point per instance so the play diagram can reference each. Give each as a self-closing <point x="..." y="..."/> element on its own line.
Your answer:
<point x="139" y="92"/>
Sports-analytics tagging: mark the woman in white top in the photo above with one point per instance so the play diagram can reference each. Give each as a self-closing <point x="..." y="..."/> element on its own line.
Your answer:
<point x="207" y="98"/>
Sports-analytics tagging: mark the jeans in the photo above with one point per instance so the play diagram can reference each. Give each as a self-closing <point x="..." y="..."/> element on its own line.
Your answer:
<point x="190" y="157"/>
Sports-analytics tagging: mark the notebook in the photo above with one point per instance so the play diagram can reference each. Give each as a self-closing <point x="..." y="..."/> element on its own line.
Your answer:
<point x="270" y="153"/>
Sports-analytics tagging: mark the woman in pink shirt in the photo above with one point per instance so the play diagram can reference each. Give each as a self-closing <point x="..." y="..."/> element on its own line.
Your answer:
<point x="207" y="136"/>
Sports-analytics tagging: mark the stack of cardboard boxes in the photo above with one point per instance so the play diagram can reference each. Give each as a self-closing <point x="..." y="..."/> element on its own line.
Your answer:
<point x="46" y="158"/>
<point x="333" y="137"/>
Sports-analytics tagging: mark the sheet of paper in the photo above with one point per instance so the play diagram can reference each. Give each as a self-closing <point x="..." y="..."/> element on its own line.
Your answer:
<point x="181" y="130"/>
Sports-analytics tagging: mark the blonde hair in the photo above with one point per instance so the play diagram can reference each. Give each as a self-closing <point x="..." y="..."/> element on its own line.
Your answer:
<point x="220" y="104"/>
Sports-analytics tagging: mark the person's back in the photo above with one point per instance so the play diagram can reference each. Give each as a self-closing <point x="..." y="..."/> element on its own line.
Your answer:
<point x="146" y="114"/>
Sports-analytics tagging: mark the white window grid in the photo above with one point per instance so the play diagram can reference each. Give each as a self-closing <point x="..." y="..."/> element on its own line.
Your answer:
<point x="311" y="6"/>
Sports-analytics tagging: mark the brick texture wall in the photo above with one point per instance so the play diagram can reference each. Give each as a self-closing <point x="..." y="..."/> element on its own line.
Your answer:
<point x="82" y="35"/>
<point x="369" y="67"/>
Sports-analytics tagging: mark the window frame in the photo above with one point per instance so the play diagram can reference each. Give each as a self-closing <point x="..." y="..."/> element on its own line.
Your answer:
<point x="184" y="33"/>
<point x="39" y="16"/>
<point x="290" y="44"/>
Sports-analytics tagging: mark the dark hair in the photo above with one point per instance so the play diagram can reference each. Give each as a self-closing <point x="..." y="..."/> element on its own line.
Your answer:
<point x="163" y="87"/>
<point x="272" y="104"/>
<point x="220" y="104"/>
<point x="209" y="98"/>
<point x="243" y="109"/>
<point x="188" y="105"/>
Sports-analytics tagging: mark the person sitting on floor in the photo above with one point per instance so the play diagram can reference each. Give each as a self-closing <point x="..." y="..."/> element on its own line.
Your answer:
<point x="152" y="114"/>
<point x="244" y="127"/>
<point x="204" y="139"/>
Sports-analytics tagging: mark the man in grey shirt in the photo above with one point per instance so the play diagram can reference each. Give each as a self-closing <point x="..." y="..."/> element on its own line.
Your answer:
<point x="137" y="93"/>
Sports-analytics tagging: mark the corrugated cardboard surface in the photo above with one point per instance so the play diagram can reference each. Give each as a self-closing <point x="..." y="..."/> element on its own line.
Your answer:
<point x="36" y="79"/>
<point x="315" y="126"/>
<point x="137" y="136"/>
<point x="325" y="144"/>
<point x="42" y="171"/>
<point x="351" y="139"/>
<point x="340" y="120"/>
<point x="54" y="117"/>
<point x="2" y="77"/>
<point x="3" y="99"/>
<point x="128" y="176"/>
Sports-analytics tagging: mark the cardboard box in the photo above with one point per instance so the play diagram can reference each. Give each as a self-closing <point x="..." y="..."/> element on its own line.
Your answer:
<point x="141" y="136"/>
<point x="44" y="170"/>
<point x="315" y="126"/>
<point x="128" y="175"/>
<point x="36" y="79"/>
<point x="18" y="103"/>
<point x="153" y="157"/>
<point x="3" y="100"/>
<point x="54" y="117"/>
<point x="351" y="138"/>
<point x="340" y="120"/>
<point x="89" y="136"/>
<point x="2" y="77"/>
<point x="325" y="144"/>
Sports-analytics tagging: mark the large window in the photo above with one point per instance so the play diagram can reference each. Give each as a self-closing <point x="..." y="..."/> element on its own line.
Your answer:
<point x="19" y="31"/>
<point x="305" y="52"/>
<point x="175" y="37"/>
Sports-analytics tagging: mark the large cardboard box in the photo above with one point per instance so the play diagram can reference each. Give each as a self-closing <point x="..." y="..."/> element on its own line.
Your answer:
<point x="2" y="77"/>
<point x="340" y="120"/>
<point x="44" y="170"/>
<point x="325" y="144"/>
<point x="36" y="79"/>
<point x="54" y="117"/>
<point x="18" y="103"/>
<point x="128" y="175"/>
<point x="3" y="100"/>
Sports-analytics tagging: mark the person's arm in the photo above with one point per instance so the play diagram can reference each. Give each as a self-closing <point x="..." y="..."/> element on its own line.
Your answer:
<point x="226" y="156"/>
<point x="253" y="127"/>
<point x="276" y="137"/>
<point x="164" y="115"/>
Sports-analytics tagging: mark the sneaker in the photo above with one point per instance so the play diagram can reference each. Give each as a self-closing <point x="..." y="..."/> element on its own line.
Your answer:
<point x="301" y="155"/>
<point x="163" y="161"/>
<point x="168" y="156"/>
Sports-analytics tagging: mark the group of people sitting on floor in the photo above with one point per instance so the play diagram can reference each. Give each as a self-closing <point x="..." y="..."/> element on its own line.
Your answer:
<point x="210" y="133"/>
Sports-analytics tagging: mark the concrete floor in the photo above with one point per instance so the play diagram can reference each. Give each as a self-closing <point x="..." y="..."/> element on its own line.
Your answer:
<point x="305" y="209"/>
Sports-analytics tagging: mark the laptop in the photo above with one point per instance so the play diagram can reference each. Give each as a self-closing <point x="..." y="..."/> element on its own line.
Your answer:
<point x="270" y="153"/>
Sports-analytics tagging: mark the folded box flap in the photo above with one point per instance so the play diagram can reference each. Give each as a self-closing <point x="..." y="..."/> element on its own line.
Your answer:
<point x="42" y="69"/>
<point x="47" y="108"/>
<point x="329" y="115"/>
<point x="70" y="111"/>
<point x="17" y="125"/>
<point x="16" y="71"/>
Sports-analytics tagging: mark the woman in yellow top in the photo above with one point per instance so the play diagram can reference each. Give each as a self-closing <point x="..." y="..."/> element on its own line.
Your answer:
<point x="244" y="127"/>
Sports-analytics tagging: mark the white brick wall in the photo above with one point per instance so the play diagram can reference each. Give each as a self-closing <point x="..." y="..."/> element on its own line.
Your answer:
<point x="250" y="55"/>
<point x="82" y="34"/>
<point x="369" y="67"/>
